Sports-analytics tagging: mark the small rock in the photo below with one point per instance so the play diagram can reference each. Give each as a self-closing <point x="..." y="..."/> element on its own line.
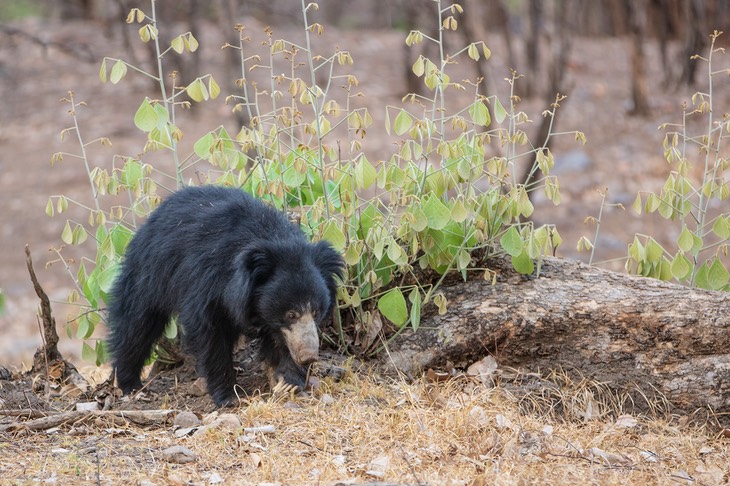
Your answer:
<point x="215" y="478"/>
<point x="210" y="418"/>
<point x="178" y="455"/>
<point x="227" y="421"/>
<point x="198" y="388"/>
<point x="378" y="466"/>
<point x="87" y="406"/>
<point x="187" y="420"/>
<point x="326" y="399"/>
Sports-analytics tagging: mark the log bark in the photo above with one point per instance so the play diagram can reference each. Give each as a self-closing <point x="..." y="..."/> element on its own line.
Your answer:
<point x="618" y="329"/>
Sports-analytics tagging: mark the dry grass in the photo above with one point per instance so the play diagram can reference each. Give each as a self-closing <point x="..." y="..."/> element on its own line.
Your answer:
<point x="454" y="432"/>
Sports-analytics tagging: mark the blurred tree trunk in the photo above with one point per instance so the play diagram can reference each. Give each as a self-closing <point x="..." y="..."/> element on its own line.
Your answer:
<point x="416" y="10"/>
<point x="532" y="46"/>
<point x="696" y="40"/>
<point x="636" y="11"/>
<point x="638" y="335"/>
<point x="561" y="43"/>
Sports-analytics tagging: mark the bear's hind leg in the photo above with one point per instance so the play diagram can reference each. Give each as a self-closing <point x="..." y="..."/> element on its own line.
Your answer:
<point x="131" y="344"/>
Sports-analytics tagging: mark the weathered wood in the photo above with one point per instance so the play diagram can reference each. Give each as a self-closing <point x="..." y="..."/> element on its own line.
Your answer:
<point x="623" y="330"/>
<point x="138" y="417"/>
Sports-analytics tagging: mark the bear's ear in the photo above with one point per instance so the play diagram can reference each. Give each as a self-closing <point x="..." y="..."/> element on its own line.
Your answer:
<point x="329" y="262"/>
<point x="259" y="263"/>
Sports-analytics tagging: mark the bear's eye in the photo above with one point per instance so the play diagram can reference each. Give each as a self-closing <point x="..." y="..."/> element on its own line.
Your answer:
<point x="292" y="316"/>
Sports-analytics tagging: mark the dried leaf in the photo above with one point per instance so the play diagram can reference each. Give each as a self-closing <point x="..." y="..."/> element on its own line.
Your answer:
<point x="484" y="370"/>
<point x="625" y="422"/>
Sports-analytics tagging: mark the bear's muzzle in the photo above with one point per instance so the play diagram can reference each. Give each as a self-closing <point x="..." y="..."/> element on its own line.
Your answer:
<point x="302" y="340"/>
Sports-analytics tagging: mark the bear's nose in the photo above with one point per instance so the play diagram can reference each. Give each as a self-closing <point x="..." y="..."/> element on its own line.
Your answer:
<point x="309" y="360"/>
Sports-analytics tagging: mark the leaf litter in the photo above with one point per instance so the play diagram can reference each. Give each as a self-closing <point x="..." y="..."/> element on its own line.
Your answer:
<point x="469" y="428"/>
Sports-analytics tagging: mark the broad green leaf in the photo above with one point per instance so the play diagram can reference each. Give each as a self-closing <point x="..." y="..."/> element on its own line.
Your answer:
<point x="214" y="89"/>
<point x="686" y="240"/>
<point x="637" y="206"/>
<point x="463" y="260"/>
<point x="191" y="42"/>
<point x="420" y="222"/>
<point x="392" y="305"/>
<point x="479" y="113"/>
<point x="511" y="242"/>
<point x="403" y="122"/>
<point x="118" y="72"/>
<point x="697" y="244"/>
<point x="721" y="228"/>
<point x="415" y="298"/>
<point x="652" y="203"/>
<point x="62" y="204"/>
<point x="120" y="237"/>
<point x="334" y="235"/>
<point x="418" y="67"/>
<point x="67" y="234"/>
<point x="523" y="264"/>
<point x="499" y="112"/>
<point x="87" y="353"/>
<point x="352" y="255"/>
<point x="458" y="211"/>
<point x="654" y="251"/>
<point x="681" y="267"/>
<point x="145" y="33"/>
<point x="365" y="173"/>
<point x="437" y="214"/>
<point x="131" y="173"/>
<point x="102" y="71"/>
<point x="473" y="52"/>
<point x="177" y="44"/>
<point x="197" y="91"/>
<point x="717" y="276"/>
<point x="79" y="235"/>
<point x="102" y="353"/>
<point x="204" y="145"/>
<point x="701" y="278"/>
<point x="105" y="279"/>
<point x="146" y="117"/>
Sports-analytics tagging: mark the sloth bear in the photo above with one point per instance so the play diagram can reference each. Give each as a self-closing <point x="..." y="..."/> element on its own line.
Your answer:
<point x="226" y="265"/>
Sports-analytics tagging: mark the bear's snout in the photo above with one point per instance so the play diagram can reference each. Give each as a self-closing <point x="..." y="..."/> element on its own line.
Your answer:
<point x="302" y="340"/>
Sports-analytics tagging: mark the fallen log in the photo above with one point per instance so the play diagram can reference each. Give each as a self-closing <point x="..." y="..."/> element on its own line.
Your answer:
<point x="618" y="329"/>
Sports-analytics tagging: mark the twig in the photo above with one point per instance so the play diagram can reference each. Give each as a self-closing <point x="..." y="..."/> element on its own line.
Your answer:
<point x="137" y="417"/>
<point x="50" y="336"/>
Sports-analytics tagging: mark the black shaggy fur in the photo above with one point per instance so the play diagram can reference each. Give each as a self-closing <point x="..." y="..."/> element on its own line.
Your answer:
<point x="226" y="264"/>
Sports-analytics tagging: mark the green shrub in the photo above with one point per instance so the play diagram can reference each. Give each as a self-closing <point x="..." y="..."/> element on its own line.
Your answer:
<point x="697" y="258"/>
<point x="439" y="204"/>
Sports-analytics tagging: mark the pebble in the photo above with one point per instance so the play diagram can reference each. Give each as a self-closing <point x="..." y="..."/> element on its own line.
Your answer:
<point x="178" y="455"/>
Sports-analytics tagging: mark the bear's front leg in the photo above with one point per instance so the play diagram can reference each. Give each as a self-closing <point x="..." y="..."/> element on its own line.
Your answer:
<point x="213" y="347"/>
<point x="280" y="364"/>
